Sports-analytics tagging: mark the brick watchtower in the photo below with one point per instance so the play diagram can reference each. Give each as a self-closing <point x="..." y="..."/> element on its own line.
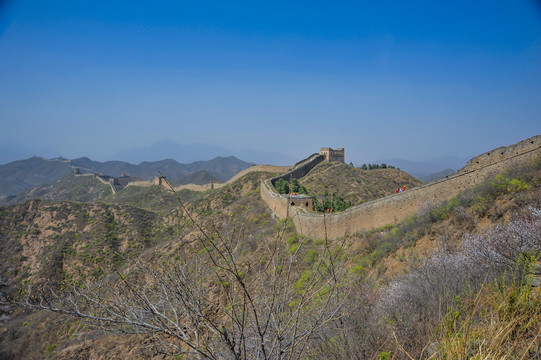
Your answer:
<point x="332" y="154"/>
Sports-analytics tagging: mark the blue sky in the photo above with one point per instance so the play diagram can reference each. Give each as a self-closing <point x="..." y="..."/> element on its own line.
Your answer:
<point x="407" y="79"/>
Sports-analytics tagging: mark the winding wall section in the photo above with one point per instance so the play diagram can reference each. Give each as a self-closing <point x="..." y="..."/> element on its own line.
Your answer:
<point x="396" y="207"/>
<point x="205" y="187"/>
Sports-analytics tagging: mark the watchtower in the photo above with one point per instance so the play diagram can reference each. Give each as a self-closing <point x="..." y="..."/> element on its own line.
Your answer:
<point x="333" y="154"/>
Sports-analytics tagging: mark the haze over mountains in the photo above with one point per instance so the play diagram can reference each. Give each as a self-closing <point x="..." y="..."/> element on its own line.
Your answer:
<point x="187" y="153"/>
<point x="159" y="150"/>
<point x="431" y="169"/>
<point x="22" y="175"/>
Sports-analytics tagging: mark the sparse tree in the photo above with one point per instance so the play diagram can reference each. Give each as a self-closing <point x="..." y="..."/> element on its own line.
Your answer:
<point x="206" y="302"/>
<point x="281" y="186"/>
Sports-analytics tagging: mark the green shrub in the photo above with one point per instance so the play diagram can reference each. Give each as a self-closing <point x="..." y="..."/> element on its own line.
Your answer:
<point x="293" y="249"/>
<point x="311" y="256"/>
<point x="292" y="239"/>
<point x="304" y="279"/>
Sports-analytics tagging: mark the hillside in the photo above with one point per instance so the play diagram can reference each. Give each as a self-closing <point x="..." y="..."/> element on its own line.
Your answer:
<point x="22" y="175"/>
<point x="89" y="189"/>
<point x="18" y="176"/>
<point x="200" y="177"/>
<point x="222" y="168"/>
<point x="354" y="184"/>
<point x="403" y="279"/>
<point x="67" y="188"/>
<point x="43" y="242"/>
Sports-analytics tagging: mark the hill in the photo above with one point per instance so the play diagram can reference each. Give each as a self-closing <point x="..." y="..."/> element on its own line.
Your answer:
<point x="87" y="188"/>
<point x="219" y="266"/>
<point x="436" y="176"/>
<point x="354" y="184"/>
<point x="50" y="243"/>
<point x="21" y="175"/>
<point x="18" y="176"/>
<point x="67" y="188"/>
<point x="199" y="177"/>
<point x="222" y="168"/>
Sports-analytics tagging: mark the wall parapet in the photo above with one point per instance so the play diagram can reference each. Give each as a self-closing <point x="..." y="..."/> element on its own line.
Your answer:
<point x="502" y="153"/>
<point x="395" y="207"/>
<point x="300" y="170"/>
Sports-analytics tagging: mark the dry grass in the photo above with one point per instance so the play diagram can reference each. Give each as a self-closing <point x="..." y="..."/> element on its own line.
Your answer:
<point x="499" y="322"/>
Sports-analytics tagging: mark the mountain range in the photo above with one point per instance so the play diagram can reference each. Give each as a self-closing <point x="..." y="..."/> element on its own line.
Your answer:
<point x="159" y="150"/>
<point x="22" y="175"/>
<point x="430" y="169"/>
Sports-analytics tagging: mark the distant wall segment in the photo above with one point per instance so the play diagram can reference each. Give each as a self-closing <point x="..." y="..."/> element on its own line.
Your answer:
<point x="396" y="207"/>
<point x="195" y="187"/>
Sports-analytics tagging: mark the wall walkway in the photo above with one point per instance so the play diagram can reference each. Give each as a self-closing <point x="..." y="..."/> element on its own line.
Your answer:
<point x="394" y="208"/>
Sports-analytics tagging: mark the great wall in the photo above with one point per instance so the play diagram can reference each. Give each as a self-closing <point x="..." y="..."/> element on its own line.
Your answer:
<point x="119" y="183"/>
<point x="396" y="207"/>
<point x="370" y="215"/>
<point x="195" y="187"/>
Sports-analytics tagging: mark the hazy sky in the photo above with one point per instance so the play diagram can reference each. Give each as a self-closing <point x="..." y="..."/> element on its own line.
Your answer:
<point x="409" y="79"/>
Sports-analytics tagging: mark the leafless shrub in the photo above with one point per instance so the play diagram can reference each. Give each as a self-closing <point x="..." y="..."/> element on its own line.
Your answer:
<point x="426" y="210"/>
<point x="361" y="332"/>
<point x="208" y="303"/>
<point x="418" y="301"/>
<point x="502" y="245"/>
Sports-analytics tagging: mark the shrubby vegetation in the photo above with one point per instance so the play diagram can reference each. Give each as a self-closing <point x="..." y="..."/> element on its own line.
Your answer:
<point x="333" y="203"/>
<point x="376" y="166"/>
<point x="438" y="301"/>
<point x="282" y="187"/>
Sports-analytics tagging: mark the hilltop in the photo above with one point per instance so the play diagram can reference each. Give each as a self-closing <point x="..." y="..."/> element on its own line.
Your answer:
<point x="355" y="184"/>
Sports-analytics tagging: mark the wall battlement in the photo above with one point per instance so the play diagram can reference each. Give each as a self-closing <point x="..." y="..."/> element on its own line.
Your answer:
<point x="394" y="208"/>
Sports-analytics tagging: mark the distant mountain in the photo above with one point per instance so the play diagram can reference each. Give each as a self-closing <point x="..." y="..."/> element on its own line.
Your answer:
<point x="222" y="168"/>
<point x="199" y="177"/>
<point x="186" y="153"/>
<point x="436" y="176"/>
<point x="169" y="149"/>
<point x="21" y="175"/>
<point x="67" y="188"/>
<point x="426" y="169"/>
<point x="10" y="152"/>
<point x="18" y="176"/>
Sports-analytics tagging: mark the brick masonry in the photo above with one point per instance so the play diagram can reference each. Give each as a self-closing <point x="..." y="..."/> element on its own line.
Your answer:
<point x="394" y="208"/>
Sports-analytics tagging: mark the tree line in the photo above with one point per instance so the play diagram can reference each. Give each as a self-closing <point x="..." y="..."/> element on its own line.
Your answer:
<point x="376" y="166"/>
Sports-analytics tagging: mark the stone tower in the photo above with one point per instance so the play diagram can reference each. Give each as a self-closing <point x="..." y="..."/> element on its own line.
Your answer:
<point x="332" y="154"/>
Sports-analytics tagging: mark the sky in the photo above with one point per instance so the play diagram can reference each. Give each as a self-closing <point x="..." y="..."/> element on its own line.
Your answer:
<point x="416" y="80"/>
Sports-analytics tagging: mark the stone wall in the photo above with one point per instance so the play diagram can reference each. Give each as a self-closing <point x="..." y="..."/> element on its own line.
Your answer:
<point x="195" y="187"/>
<point x="275" y="201"/>
<point x="503" y="153"/>
<point x="396" y="207"/>
<point x="301" y="170"/>
<point x="279" y="203"/>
